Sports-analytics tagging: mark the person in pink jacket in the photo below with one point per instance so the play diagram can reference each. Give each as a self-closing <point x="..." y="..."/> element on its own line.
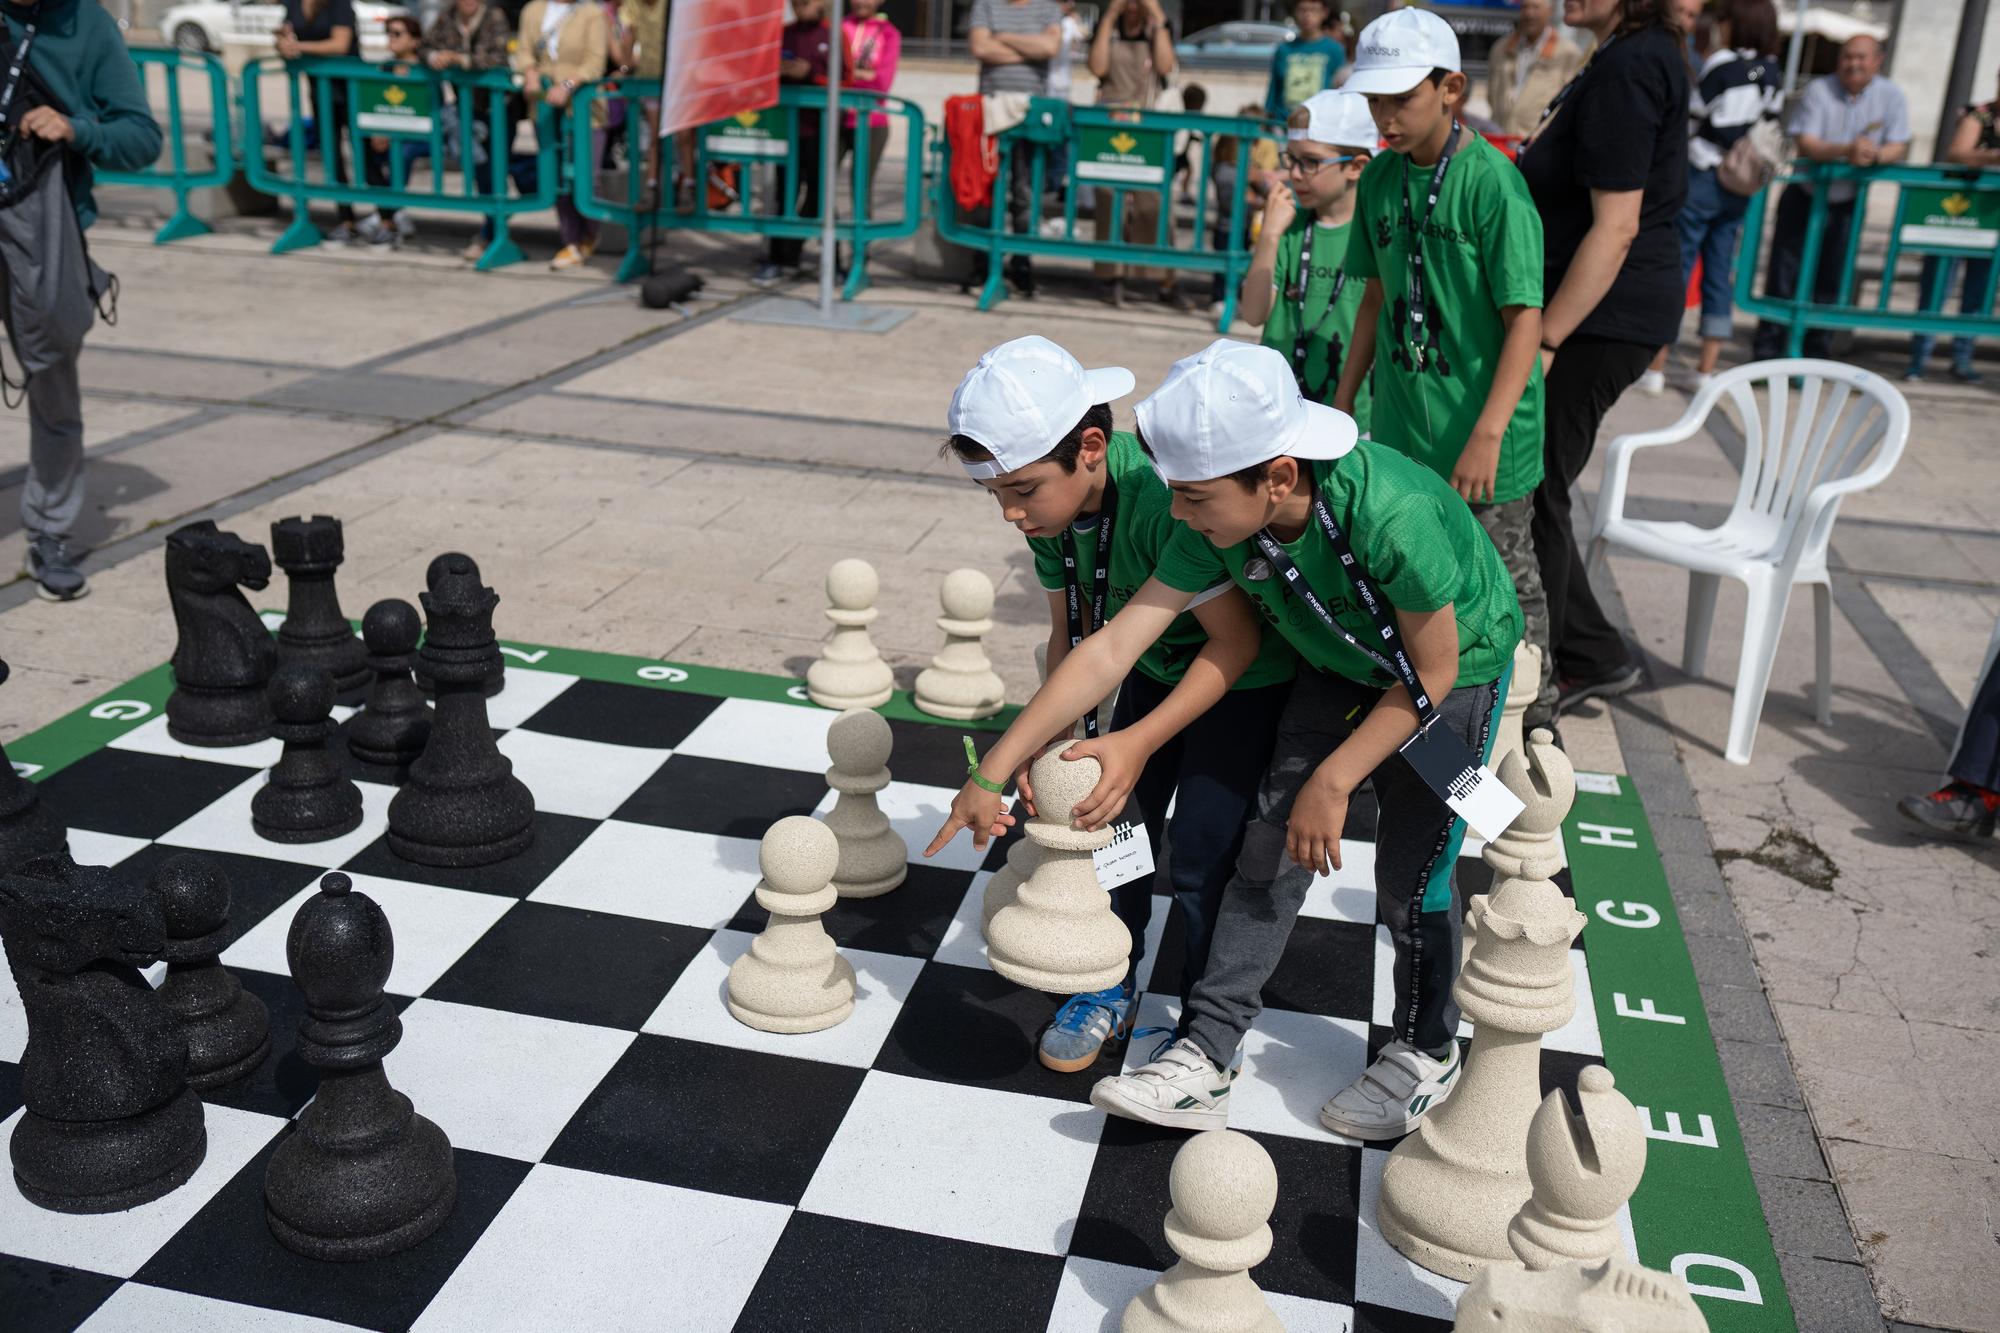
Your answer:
<point x="873" y="46"/>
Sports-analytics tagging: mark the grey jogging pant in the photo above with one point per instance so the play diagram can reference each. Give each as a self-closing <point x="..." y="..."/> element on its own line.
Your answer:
<point x="53" y="496"/>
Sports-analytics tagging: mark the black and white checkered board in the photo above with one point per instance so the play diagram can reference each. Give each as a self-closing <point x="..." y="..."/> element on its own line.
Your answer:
<point x="629" y="1156"/>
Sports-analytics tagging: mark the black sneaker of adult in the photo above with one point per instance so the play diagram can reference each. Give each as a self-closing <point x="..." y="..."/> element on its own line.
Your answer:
<point x="1571" y="691"/>
<point x="1954" y="811"/>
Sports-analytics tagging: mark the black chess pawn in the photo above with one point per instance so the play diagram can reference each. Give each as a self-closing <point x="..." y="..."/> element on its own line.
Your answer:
<point x="315" y="632"/>
<point x="462" y="804"/>
<point x="496" y="671"/>
<point x="27" y="826"/>
<point x="362" y="1175"/>
<point x="393" y="725"/>
<point x="223" y="656"/>
<point x="308" y="798"/>
<point x="110" y="1121"/>
<point x="228" y="1029"/>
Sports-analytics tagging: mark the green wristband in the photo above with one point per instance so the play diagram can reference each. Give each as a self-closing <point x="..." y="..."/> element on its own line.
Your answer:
<point x="973" y="774"/>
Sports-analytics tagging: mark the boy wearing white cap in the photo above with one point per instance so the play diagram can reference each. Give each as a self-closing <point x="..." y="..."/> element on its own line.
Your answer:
<point x="1449" y="244"/>
<point x="1297" y="286"/>
<point x="1379" y="577"/>
<point x="1202" y="684"/>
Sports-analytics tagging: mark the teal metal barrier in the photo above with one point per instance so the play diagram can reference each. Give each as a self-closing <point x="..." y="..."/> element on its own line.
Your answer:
<point x="176" y="177"/>
<point x="405" y="105"/>
<point x="748" y="146"/>
<point x="1941" y="212"/>
<point x="1127" y="153"/>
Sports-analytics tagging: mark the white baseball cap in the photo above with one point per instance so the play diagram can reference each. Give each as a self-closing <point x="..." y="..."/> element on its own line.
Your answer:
<point x="1397" y="50"/>
<point x="1340" y="119"/>
<point x="1234" y="405"/>
<point x="1023" y="397"/>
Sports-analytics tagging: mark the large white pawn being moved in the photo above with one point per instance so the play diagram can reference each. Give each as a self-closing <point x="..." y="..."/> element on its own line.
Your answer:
<point x="873" y="856"/>
<point x="960" y="683"/>
<point x="1059" y="933"/>
<point x="793" y="979"/>
<point x="850" y="673"/>
<point x="1224" y="1188"/>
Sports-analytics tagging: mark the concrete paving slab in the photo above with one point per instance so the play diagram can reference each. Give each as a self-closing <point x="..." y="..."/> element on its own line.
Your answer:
<point x="1829" y="1295"/>
<point x="107" y="421"/>
<point x="178" y="377"/>
<point x="1761" y="1074"/>
<point x="1926" y="1229"/>
<point x="379" y="393"/>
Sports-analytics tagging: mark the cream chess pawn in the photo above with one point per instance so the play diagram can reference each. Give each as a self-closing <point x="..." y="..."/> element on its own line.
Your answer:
<point x="873" y="856"/>
<point x="1060" y="934"/>
<point x="850" y="673"/>
<point x="793" y="979"/>
<point x="1224" y="1187"/>
<point x="960" y="683"/>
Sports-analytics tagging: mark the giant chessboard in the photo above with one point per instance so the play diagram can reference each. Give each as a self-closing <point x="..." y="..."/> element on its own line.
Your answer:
<point x="631" y="1157"/>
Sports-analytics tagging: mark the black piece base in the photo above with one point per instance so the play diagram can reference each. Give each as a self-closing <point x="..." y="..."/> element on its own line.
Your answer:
<point x="35" y="831"/>
<point x="355" y="1205"/>
<point x="460" y="857"/>
<point x="219" y="717"/>
<point x="224" y="1075"/>
<point x="354" y="1249"/>
<point x="108" y="1166"/>
<point x="273" y="833"/>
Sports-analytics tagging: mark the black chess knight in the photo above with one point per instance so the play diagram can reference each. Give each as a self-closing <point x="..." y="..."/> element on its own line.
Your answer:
<point x="27" y="826"/>
<point x="224" y="655"/>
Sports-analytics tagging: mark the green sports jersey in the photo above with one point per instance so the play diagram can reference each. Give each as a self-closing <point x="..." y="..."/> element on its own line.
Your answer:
<point x="1328" y="333"/>
<point x="1482" y="252"/>
<point x="1141" y="528"/>
<point x="1410" y="533"/>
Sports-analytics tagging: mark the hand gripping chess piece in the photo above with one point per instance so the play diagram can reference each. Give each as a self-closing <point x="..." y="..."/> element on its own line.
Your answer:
<point x="315" y="631"/>
<point x="793" y="979"/>
<point x="309" y="797"/>
<point x="28" y="827"/>
<point x="228" y="1029"/>
<point x="361" y="1175"/>
<point x="959" y="683"/>
<point x="849" y="672"/>
<point x="1060" y="934"/>
<point x="395" y="722"/>
<point x="1612" y="1295"/>
<point x="1583" y="1168"/>
<point x="1450" y="1189"/>
<point x="873" y="856"/>
<point x="110" y="1121"/>
<point x="1224" y="1187"/>
<point x="223" y="655"/>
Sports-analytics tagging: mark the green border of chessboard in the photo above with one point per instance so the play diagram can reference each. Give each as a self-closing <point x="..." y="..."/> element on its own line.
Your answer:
<point x="1696" y="1211"/>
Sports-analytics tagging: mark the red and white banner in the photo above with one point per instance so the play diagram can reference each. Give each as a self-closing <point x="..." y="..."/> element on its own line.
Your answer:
<point x="722" y="58"/>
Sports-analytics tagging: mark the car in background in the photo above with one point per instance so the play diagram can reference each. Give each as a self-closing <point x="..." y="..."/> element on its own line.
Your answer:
<point x="1241" y="44"/>
<point x="205" y="25"/>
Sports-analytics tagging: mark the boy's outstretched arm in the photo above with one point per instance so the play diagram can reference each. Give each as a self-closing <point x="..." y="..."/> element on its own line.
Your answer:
<point x="1479" y="460"/>
<point x="1320" y="811"/>
<point x="1360" y="348"/>
<point x="1090" y="671"/>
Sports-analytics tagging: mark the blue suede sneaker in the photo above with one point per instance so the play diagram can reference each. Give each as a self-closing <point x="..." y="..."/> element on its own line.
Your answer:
<point x="1076" y="1035"/>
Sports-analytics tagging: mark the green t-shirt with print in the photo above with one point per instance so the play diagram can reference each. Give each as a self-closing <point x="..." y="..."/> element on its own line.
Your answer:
<point x="1482" y="252"/>
<point x="1141" y="528"/>
<point x="1411" y="534"/>
<point x="1328" y="333"/>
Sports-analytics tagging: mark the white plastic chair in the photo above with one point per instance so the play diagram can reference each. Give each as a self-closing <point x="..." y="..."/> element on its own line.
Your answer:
<point x="1805" y="446"/>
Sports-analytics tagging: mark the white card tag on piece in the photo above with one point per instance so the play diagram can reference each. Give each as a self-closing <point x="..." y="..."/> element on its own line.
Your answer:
<point x="1486" y="804"/>
<point x="1451" y="770"/>
<point x="1128" y="856"/>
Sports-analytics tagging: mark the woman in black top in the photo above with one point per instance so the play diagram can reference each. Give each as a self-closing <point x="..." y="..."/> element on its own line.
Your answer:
<point x="1608" y="172"/>
<point x="325" y="28"/>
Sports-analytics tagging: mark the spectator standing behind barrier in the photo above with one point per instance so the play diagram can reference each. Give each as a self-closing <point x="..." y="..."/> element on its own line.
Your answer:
<point x="1131" y="55"/>
<point x="875" y="46"/>
<point x="1608" y="172"/>
<point x="78" y="54"/>
<point x="1528" y="67"/>
<point x="642" y="53"/>
<point x="1306" y="63"/>
<point x="1851" y="115"/>
<point x="392" y="226"/>
<point x="1967" y="806"/>
<point x="1975" y="142"/>
<point x="804" y="54"/>
<point x="1014" y="41"/>
<point x="471" y="35"/>
<point x="1738" y="84"/>
<point x="325" y="28"/>
<point x="1225" y="160"/>
<point x="566" y="42"/>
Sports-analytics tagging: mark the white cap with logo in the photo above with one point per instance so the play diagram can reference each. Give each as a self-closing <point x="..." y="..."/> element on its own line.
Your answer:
<point x="1339" y="119"/>
<point x="1397" y="50"/>
<point x="1023" y="397"/>
<point x="1231" y="406"/>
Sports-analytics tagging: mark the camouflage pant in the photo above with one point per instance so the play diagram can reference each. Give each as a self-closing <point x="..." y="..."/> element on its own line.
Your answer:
<point x="1510" y="527"/>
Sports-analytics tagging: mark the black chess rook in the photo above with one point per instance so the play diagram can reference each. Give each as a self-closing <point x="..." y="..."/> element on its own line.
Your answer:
<point x="395" y="722"/>
<point x="361" y="1175"/>
<point x="315" y="632"/>
<point x="308" y="797"/>
<point x="496" y="672"/>
<point x="223" y="656"/>
<point x="228" y="1029"/>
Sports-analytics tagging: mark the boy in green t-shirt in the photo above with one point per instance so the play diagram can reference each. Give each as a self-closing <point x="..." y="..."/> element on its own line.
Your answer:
<point x="1245" y="456"/>
<point x="1297" y="286"/>
<point x="1198" y="708"/>
<point x="1450" y="244"/>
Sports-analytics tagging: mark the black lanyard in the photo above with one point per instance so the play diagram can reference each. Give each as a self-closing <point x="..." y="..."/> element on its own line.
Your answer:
<point x="1391" y="656"/>
<point x="1298" y="293"/>
<point x="1421" y="337"/>
<point x="15" y="66"/>
<point x="1100" y="582"/>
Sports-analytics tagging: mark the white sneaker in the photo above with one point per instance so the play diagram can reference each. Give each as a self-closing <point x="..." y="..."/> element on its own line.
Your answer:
<point x="1701" y="380"/>
<point x="1389" y="1099"/>
<point x="1653" y="383"/>
<point x="1180" y="1089"/>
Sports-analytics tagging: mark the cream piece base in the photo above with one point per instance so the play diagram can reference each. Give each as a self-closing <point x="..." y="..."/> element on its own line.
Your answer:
<point x="792" y="980"/>
<point x="1615" y="1294"/>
